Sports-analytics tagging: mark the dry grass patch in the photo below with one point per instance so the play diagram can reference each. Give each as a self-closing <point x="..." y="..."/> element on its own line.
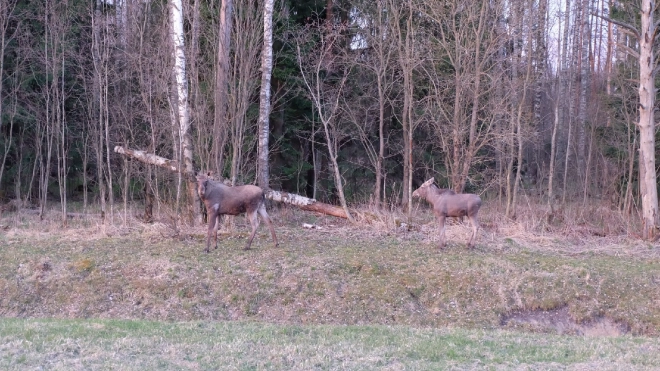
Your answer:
<point x="372" y="273"/>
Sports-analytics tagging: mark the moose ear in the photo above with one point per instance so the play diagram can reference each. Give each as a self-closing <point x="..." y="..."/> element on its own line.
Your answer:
<point x="428" y="182"/>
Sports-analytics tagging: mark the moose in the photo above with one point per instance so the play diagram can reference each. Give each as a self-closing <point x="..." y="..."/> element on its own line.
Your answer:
<point x="220" y="199"/>
<point x="447" y="203"/>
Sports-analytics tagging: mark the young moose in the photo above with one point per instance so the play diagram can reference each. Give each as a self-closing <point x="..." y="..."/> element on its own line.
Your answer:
<point x="221" y="199"/>
<point x="447" y="203"/>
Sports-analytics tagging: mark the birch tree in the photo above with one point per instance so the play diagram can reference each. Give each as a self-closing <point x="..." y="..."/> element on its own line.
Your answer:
<point x="264" y="97"/>
<point x="185" y="142"/>
<point x="646" y="37"/>
<point x="647" y="91"/>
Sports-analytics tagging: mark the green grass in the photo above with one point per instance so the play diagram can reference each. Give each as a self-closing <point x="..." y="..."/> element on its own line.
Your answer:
<point x="122" y="344"/>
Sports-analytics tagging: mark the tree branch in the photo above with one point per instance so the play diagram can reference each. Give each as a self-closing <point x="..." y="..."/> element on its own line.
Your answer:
<point x="629" y="50"/>
<point x="627" y="26"/>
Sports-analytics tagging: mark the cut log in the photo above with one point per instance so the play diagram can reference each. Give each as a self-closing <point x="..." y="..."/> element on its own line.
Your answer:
<point x="302" y="202"/>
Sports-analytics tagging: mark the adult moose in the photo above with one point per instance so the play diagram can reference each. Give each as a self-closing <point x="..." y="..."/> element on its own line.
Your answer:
<point x="220" y="199"/>
<point x="447" y="203"/>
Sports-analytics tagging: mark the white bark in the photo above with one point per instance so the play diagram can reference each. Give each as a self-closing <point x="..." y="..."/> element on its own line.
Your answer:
<point x="149" y="158"/>
<point x="648" y="183"/>
<point x="176" y="22"/>
<point x="308" y="204"/>
<point x="264" y="99"/>
<point x="185" y="141"/>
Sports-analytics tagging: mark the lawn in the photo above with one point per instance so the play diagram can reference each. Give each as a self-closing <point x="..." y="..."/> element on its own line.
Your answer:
<point x="60" y="344"/>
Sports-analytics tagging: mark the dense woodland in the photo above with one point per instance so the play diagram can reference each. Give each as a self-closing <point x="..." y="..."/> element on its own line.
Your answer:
<point x="368" y="99"/>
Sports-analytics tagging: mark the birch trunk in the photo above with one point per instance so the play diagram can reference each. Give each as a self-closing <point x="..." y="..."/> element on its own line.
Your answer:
<point x="264" y="99"/>
<point x="647" y="92"/>
<point x="185" y="145"/>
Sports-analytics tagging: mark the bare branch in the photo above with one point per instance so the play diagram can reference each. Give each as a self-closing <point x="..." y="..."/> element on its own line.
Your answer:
<point x="629" y="50"/>
<point x="627" y="26"/>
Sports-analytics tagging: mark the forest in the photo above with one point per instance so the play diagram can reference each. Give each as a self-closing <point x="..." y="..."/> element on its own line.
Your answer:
<point x="349" y="102"/>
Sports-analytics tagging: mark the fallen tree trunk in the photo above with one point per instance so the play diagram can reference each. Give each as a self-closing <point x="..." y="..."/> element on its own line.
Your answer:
<point x="149" y="158"/>
<point x="304" y="203"/>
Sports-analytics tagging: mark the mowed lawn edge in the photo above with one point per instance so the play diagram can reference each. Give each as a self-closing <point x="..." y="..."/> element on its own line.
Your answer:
<point x="66" y="344"/>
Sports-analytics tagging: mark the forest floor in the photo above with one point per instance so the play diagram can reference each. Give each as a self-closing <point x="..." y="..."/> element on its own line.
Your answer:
<point x="382" y="279"/>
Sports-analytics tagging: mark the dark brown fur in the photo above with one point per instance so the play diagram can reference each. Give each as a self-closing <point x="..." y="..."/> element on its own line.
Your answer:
<point x="447" y="203"/>
<point x="220" y="199"/>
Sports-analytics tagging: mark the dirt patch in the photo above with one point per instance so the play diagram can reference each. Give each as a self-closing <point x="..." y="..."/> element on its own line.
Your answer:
<point x="560" y="321"/>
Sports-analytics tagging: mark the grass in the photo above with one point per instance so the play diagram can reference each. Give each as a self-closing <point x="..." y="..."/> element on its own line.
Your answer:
<point x="342" y="297"/>
<point x="122" y="344"/>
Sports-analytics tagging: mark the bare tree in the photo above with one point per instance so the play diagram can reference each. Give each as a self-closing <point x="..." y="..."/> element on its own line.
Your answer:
<point x="222" y="83"/>
<point x="518" y="119"/>
<point x="470" y="47"/>
<point x="7" y="9"/>
<point x="324" y="80"/>
<point x="407" y="53"/>
<point x="247" y="38"/>
<point x="556" y="118"/>
<point x="378" y="57"/>
<point x="584" y="31"/>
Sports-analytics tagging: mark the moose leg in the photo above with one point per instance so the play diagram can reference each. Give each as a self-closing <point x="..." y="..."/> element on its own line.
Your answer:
<point x="475" y="227"/>
<point x="254" y="222"/>
<point x="212" y="217"/>
<point x="269" y="223"/>
<point x="441" y="220"/>
<point x="216" y="225"/>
